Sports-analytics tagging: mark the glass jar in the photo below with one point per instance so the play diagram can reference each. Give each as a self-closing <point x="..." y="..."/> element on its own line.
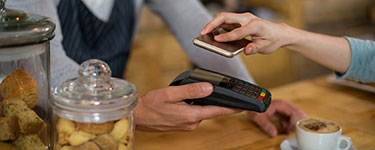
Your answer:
<point x="24" y="78"/>
<point x="93" y="111"/>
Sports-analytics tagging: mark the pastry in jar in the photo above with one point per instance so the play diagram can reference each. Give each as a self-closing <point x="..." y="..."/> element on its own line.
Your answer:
<point x="96" y="128"/>
<point x="20" y="85"/>
<point x="106" y="142"/>
<point x="120" y="130"/>
<point x="79" y="137"/>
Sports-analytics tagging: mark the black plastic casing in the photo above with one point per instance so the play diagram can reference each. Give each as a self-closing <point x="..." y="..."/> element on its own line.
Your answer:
<point x="223" y="96"/>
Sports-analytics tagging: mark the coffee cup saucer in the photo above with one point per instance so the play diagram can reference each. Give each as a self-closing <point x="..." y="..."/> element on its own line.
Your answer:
<point x="291" y="144"/>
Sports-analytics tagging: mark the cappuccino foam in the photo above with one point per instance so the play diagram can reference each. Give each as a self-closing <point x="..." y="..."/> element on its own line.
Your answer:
<point x="319" y="125"/>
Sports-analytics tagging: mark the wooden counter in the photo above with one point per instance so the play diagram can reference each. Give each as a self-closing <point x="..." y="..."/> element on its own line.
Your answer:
<point x="353" y="109"/>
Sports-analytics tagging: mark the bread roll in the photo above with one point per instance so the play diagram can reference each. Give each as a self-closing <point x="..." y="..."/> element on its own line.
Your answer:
<point x="28" y="121"/>
<point x="20" y="85"/>
<point x="29" y="142"/>
<point x="9" y="128"/>
<point x="1" y="107"/>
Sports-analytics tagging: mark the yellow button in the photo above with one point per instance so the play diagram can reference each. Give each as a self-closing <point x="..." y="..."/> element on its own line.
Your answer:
<point x="262" y="94"/>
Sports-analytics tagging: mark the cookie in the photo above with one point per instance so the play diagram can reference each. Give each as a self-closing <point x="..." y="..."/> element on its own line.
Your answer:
<point x="65" y="148"/>
<point x="120" y="130"/>
<point x="106" y="142"/>
<point x="122" y="147"/>
<point x="93" y="128"/>
<point x="87" y="146"/>
<point x="63" y="138"/>
<point x="80" y="137"/>
<point x="65" y="126"/>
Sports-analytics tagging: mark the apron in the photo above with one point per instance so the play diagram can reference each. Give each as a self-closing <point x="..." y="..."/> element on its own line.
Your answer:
<point x="87" y="37"/>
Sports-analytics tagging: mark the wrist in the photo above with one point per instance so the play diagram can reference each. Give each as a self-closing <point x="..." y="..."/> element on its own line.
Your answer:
<point x="140" y="117"/>
<point x="138" y="112"/>
<point x="290" y="36"/>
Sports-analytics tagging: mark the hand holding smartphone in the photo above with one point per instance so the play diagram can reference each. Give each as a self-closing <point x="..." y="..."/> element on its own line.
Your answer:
<point x="227" y="49"/>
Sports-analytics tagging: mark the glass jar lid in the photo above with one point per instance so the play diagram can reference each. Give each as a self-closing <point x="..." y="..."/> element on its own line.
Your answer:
<point x="19" y="28"/>
<point x="94" y="92"/>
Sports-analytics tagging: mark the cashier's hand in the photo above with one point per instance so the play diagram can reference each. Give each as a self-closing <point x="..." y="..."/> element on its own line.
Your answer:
<point x="266" y="36"/>
<point x="164" y="109"/>
<point x="280" y="116"/>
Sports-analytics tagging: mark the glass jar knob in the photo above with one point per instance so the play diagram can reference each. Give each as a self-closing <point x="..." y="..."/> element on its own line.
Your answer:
<point x="95" y="74"/>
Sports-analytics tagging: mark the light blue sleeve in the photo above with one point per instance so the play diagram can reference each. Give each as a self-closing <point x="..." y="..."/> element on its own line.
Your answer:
<point x="362" y="65"/>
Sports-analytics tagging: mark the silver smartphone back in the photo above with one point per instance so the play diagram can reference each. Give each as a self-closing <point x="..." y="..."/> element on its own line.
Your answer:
<point x="227" y="49"/>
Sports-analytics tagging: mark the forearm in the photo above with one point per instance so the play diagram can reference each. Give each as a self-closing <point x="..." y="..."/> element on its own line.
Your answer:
<point x="329" y="51"/>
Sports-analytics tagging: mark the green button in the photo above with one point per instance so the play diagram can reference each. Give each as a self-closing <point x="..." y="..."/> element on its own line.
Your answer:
<point x="263" y="90"/>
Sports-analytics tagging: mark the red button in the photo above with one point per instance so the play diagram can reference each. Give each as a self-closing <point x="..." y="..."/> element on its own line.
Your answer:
<point x="260" y="98"/>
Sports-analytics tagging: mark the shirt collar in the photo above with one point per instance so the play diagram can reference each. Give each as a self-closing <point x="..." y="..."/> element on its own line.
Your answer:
<point x="100" y="8"/>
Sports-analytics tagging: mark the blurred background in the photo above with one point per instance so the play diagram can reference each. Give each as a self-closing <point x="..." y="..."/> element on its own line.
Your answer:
<point x="157" y="58"/>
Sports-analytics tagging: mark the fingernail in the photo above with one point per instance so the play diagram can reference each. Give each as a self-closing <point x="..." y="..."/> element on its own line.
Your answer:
<point x="272" y="131"/>
<point x="218" y="38"/>
<point x="203" y="31"/>
<point x="248" y="50"/>
<point x="207" y="89"/>
<point x="274" y="134"/>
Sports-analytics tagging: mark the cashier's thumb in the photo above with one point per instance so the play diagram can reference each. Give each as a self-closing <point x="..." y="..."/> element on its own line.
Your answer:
<point x="200" y="90"/>
<point x="189" y="91"/>
<point x="197" y="90"/>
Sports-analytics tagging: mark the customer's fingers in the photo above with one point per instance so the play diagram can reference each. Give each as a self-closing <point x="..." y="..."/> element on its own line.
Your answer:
<point x="285" y="125"/>
<point x="251" y="28"/>
<point x="265" y="124"/>
<point x="236" y="34"/>
<point x="287" y="108"/>
<point x="294" y="118"/>
<point x="293" y="112"/>
<point x="254" y="47"/>
<point x="224" y="17"/>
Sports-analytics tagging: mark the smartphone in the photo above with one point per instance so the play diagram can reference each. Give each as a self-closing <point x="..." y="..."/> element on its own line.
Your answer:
<point x="227" y="49"/>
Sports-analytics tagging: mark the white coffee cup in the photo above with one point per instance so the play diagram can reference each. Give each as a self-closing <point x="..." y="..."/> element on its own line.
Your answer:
<point x="308" y="140"/>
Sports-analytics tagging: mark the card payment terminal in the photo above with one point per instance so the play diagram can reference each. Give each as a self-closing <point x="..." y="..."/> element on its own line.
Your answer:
<point x="228" y="91"/>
